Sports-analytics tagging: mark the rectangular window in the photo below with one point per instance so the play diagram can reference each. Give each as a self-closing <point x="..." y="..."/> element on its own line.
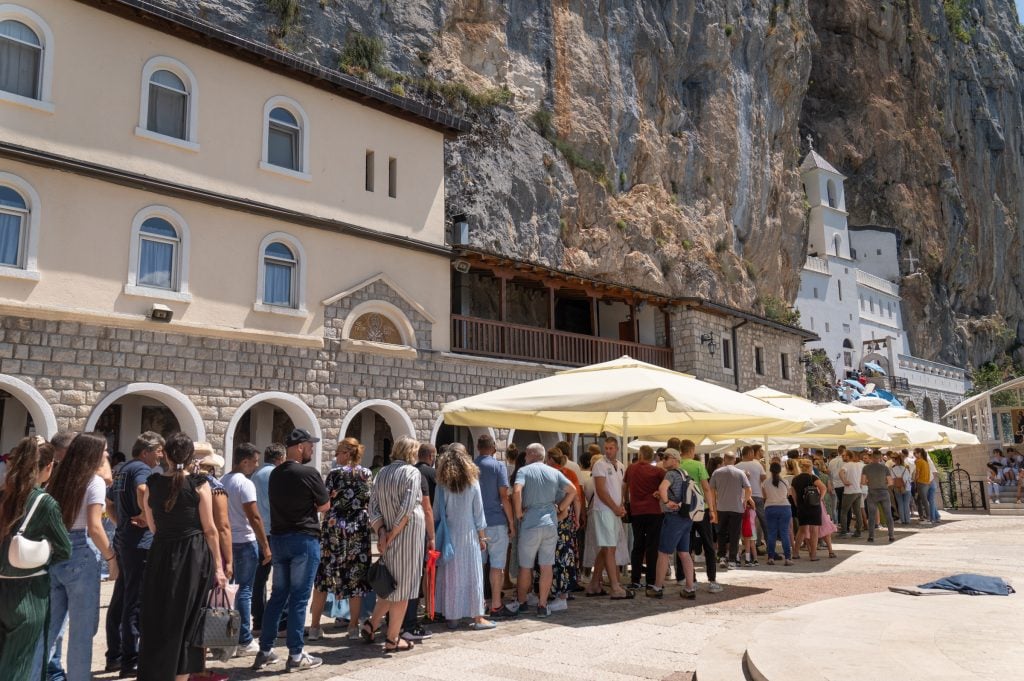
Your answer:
<point x="840" y="285"/>
<point x="871" y="305"/>
<point x="392" y="177"/>
<point x="759" y="361"/>
<point x="726" y="353"/>
<point x="812" y="323"/>
<point x="815" y="293"/>
<point x="369" y="171"/>
<point x="848" y="358"/>
<point x="846" y="328"/>
<point x="784" y="365"/>
<point x="827" y="327"/>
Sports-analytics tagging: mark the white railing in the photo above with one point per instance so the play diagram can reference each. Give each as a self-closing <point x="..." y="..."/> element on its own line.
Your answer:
<point x="927" y="366"/>
<point x="877" y="283"/>
<point x="816" y="264"/>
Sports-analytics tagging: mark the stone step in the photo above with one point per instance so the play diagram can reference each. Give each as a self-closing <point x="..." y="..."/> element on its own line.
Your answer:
<point x="948" y="651"/>
<point x="722" y="660"/>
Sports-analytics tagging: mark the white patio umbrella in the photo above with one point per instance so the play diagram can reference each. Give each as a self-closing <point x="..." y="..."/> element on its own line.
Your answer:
<point x="621" y="396"/>
<point x="925" y="433"/>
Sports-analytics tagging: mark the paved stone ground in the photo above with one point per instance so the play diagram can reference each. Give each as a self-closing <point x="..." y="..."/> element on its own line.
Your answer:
<point x="647" y="639"/>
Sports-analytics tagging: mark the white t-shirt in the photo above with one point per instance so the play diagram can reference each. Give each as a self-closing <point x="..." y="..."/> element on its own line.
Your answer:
<point x="776" y="496"/>
<point x="612" y="482"/>
<point x="574" y="467"/>
<point x="754" y="471"/>
<point x="853" y="470"/>
<point x="241" y="490"/>
<point x="95" y="493"/>
<point x="834" y="464"/>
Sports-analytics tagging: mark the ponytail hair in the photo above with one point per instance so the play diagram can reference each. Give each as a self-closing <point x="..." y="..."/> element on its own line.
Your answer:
<point x="776" y="471"/>
<point x="23" y="466"/>
<point x="179" y="452"/>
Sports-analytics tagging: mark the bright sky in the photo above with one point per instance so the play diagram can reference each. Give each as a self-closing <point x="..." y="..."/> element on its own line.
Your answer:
<point x="1020" y="10"/>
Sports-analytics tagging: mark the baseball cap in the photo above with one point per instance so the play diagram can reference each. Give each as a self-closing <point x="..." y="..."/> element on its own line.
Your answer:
<point x="298" y="436"/>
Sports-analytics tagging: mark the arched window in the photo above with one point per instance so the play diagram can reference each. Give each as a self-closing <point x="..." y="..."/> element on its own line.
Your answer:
<point x="13" y="225"/>
<point x="21" y="53"/>
<point x="26" y="58"/>
<point x="159" y="255"/>
<point x="19" y="231"/>
<point x="286" y="138"/>
<point x="833" y="197"/>
<point x="280" y="266"/>
<point x="847" y="344"/>
<point x="837" y="242"/>
<point x="168" y="107"/>
<point x="281" y="281"/>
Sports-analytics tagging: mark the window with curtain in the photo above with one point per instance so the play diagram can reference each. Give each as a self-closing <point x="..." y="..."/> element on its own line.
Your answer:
<point x="168" y="105"/>
<point x="284" y="136"/>
<point x="21" y="59"/>
<point x="158" y="254"/>
<point x="279" y="269"/>
<point x="13" y="221"/>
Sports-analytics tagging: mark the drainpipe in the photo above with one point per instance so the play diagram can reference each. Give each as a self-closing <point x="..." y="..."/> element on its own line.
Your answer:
<point x="736" y="354"/>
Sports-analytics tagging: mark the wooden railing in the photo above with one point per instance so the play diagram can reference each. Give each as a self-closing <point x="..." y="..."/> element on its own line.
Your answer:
<point x="514" y="341"/>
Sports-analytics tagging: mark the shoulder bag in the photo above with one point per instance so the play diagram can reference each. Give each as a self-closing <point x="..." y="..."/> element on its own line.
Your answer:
<point x="28" y="554"/>
<point x="380" y="578"/>
<point x="221" y="622"/>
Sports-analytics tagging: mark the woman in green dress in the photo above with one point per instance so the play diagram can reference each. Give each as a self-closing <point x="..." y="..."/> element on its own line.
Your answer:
<point x="25" y="594"/>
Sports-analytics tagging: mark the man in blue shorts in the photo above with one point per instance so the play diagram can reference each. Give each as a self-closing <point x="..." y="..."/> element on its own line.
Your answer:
<point x="498" y="514"/>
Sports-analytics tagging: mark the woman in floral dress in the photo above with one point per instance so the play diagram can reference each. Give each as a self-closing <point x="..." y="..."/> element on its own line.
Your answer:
<point x="344" y="538"/>
<point x="566" y="569"/>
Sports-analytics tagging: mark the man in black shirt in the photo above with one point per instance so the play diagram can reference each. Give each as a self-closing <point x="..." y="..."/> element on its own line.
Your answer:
<point x="297" y="494"/>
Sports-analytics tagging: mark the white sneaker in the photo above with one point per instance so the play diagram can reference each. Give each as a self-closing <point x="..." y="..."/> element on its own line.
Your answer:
<point x="315" y="634"/>
<point x="249" y="650"/>
<point x="558" y="604"/>
<point x="714" y="587"/>
<point x="531" y="599"/>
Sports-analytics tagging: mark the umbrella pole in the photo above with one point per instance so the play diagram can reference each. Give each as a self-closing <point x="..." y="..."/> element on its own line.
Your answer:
<point x="625" y="436"/>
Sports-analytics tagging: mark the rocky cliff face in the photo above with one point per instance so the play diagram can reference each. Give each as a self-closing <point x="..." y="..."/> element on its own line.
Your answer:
<point x="655" y="142"/>
<point x="921" y="103"/>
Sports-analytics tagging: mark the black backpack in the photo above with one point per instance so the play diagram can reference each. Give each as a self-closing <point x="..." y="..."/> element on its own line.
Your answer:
<point x="812" y="497"/>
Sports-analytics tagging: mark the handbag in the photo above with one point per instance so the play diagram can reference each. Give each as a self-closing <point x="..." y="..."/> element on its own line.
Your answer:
<point x="380" y="578"/>
<point x="442" y="537"/>
<point x="28" y="554"/>
<point x="221" y="622"/>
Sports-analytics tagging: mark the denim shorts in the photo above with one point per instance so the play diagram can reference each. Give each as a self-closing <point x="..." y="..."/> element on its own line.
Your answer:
<point x="537" y="544"/>
<point x="675" y="534"/>
<point x="497" y="546"/>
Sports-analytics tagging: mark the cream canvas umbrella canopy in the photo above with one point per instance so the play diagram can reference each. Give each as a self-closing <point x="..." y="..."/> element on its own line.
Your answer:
<point x="872" y="431"/>
<point x="621" y="396"/>
<point x="823" y="421"/>
<point x="925" y="433"/>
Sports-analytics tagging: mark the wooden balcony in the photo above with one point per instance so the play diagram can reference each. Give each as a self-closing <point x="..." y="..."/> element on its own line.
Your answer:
<point x="513" y="341"/>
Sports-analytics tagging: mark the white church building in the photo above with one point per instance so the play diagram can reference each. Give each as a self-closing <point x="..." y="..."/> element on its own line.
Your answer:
<point x="850" y="296"/>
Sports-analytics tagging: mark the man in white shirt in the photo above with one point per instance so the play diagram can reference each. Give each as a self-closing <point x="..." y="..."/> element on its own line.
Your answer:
<point x="834" y="464"/>
<point x="607" y="515"/>
<point x="249" y="545"/>
<point x="853" y="497"/>
<point x="750" y="465"/>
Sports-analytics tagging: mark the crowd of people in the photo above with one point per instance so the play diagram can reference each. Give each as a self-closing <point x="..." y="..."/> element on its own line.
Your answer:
<point x="447" y="528"/>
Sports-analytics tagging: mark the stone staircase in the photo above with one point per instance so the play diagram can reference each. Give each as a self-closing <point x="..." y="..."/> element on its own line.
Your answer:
<point x="1006" y="505"/>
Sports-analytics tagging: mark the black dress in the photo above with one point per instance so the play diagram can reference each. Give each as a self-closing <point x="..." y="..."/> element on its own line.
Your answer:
<point x="175" y="585"/>
<point x="806" y="514"/>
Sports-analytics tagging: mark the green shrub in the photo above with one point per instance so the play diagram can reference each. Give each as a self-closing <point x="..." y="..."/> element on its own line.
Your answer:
<point x="957" y="12"/>
<point x="751" y="270"/>
<point x="728" y="30"/>
<point x="721" y="246"/>
<point x="943" y="458"/>
<point x="543" y="121"/>
<point x="287" y="12"/>
<point x="361" y="51"/>
<point x="777" y="310"/>
<point x="687" y="244"/>
<point x="622" y="225"/>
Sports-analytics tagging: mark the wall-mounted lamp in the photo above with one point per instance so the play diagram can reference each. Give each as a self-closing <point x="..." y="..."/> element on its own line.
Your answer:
<point x="161" y="313"/>
<point x="461" y="266"/>
<point x="708" y="339"/>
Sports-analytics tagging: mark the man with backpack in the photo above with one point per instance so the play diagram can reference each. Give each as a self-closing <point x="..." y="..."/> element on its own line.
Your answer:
<point x="678" y="496"/>
<point x="703" y="530"/>
<point x="732" y="497"/>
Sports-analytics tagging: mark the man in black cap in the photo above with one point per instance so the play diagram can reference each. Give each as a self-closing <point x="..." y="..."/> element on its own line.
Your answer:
<point x="297" y="494"/>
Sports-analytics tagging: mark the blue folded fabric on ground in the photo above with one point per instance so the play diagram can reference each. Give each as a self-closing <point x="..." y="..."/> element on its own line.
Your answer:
<point x="971" y="584"/>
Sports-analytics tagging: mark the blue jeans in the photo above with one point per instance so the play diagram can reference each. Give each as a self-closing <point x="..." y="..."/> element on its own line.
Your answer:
<point x="296" y="558"/>
<point x="75" y="595"/>
<point x="778" y="519"/>
<point x="247" y="558"/>
<point x="903" y="504"/>
<point x="931" y="498"/>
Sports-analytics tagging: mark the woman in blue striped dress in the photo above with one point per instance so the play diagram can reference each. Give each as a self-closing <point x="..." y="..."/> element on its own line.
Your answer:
<point x="460" y="582"/>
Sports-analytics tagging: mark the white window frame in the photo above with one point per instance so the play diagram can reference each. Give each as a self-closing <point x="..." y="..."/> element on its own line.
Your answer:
<point x="300" y="276"/>
<point x="30" y="231"/>
<point x="45" y="35"/>
<point x="162" y="63"/>
<point x="296" y="110"/>
<point x="132" y="288"/>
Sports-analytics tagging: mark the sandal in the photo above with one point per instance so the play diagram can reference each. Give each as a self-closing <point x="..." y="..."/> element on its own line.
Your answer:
<point x="596" y="594"/>
<point x="629" y="595"/>
<point x="396" y="645"/>
<point x="831" y="554"/>
<point x="771" y="561"/>
<point x="366" y="632"/>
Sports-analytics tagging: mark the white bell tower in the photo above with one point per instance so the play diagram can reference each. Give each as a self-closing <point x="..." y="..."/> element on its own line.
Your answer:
<point x="823" y="185"/>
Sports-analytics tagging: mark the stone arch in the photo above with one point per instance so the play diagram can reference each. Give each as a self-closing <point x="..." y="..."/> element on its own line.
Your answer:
<point x="943" y="408"/>
<point x="910" y="406"/>
<point x="474" y="432"/>
<point x="548" y="439"/>
<point x="928" y="412"/>
<point x="397" y="419"/>
<point x="297" y="410"/>
<point x="189" y="420"/>
<point x="34" y="403"/>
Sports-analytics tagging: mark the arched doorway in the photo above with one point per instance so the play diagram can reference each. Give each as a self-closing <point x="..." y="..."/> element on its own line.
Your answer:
<point x="135" y="408"/>
<point x="23" y="412"/>
<point x="377" y="424"/>
<point x="522" y="438"/>
<point x="928" y="413"/>
<point x="268" y="418"/>
<point x="443" y="434"/>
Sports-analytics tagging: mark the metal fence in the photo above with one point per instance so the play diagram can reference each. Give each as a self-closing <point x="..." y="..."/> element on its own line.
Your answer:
<point x="960" y="492"/>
